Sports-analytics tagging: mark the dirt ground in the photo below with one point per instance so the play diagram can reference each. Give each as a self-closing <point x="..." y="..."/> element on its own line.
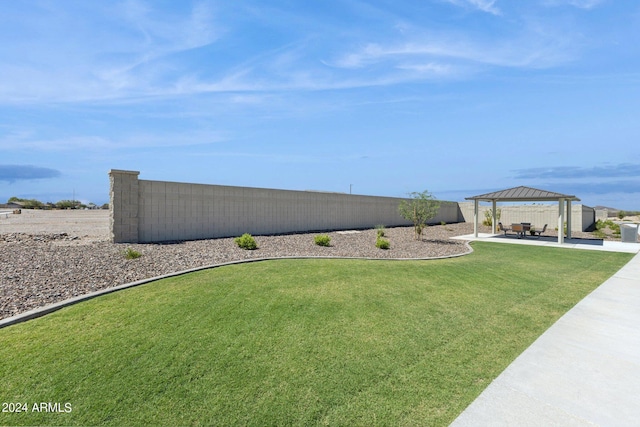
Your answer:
<point x="92" y="225"/>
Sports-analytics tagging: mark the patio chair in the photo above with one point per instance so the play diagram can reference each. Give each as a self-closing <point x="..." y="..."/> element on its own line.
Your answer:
<point x="503" y="228"/>
<point x="539" y="232"/>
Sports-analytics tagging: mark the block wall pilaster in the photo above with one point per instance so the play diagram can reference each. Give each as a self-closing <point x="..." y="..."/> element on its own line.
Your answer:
<point x="123" y="206"/>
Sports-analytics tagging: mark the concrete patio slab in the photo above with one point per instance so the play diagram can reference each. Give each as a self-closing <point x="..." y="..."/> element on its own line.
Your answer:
<point x="583" y="371"/>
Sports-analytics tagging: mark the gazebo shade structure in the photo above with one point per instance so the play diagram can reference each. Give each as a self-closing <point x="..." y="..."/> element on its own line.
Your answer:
<point x="526" y="194"/>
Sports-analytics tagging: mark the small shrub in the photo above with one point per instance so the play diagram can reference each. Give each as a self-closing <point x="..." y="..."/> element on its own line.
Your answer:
<point x="132" y="254"/>
<point x="382" y="243"/>
<point x="565" y="228"/>
<point x="621" y="214"/>
<point x="443" y="223"/>
<point x="380" y="230"/>
<point x="323" y="240"/>
<point x="246" y="241"/>
<point x="488" y="217"/>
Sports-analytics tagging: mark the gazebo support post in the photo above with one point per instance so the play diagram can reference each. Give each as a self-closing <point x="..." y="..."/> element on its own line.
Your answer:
<point x="475" y="218"/>
<point x="568" y="218"/>
<point x="561" y="221"/>
<point x="494" y="224"/>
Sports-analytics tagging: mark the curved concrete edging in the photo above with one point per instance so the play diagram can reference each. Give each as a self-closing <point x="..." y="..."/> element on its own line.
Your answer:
<point x="41" y="311"/>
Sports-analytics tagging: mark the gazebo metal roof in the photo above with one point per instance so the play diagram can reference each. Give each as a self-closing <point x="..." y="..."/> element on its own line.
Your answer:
<point x="523" y="194"/>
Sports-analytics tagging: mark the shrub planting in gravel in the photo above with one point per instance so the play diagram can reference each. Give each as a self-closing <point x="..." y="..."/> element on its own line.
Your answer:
<point x="132" y="254"/>
<point x="323" y="240"/>
<point x="51" y="256"/>
<point x="382" y="243"/>
<point x="380" y="230"/>
<point x="246" y="241"/>
<point x="42" y="269"/>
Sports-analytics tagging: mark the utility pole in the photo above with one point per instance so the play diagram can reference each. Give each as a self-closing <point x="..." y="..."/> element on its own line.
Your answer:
<point x="350" y="185"/>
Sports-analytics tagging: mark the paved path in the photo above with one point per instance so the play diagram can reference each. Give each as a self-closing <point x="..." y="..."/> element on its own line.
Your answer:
<point x="583" y="371"/>
<point x="574" y="243"/>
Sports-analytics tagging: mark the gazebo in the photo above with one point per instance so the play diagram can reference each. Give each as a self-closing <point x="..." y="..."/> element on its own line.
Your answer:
<point x="525" y="194"/>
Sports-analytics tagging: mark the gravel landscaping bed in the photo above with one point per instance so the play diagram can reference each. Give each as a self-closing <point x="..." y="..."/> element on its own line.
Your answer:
<point x="39" y="268"/>
<point x="51" y="256"/>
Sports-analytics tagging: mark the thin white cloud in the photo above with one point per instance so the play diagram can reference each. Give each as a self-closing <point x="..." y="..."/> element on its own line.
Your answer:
<point x="140" y="52"/>
<point x="163" y="33"/>
<point x="25" y="141"/>
<point x="418" y="58"/>
<point x="530" y="51"/>
<point x="487" y="6"/>
<point x="114" y="51"/>
<point x="162" y="36"/>
<point x="581" y="4"/>
<point x="432" y="68"/>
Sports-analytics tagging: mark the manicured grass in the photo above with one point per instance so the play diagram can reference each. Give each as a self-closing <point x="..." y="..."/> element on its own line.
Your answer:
<point x="296" y="342"/>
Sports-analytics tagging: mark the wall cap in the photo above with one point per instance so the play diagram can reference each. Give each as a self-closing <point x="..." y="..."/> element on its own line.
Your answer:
<point x="112" y="171"/>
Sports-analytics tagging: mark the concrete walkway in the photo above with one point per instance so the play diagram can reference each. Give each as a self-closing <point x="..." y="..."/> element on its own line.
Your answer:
<point x="588" y="244"/>
<point x="583" y="371"/>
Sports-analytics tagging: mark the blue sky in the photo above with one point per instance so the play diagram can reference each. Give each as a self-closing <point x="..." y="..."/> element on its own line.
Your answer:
<point x="458" y="97"/>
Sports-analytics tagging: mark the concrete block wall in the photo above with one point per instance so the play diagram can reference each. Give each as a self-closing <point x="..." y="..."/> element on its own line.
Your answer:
<point x="156" y="211"/>
<point x="602" y="214"/>
<point x="123" y="206"/>
<point x="588" y="217"/>
<point x="582" y="217"/>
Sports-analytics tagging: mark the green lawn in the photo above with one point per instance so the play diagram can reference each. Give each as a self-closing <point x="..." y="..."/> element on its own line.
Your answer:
<point x="296" y="342"/>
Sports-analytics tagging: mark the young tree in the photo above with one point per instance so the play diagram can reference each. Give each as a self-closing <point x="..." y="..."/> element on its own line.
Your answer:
<point x="419" y="209"/>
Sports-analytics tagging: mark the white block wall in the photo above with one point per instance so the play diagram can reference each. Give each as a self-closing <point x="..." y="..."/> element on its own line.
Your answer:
<point x="169" y="211"/>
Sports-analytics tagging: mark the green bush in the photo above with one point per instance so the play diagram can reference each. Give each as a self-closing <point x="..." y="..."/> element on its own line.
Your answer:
<point x="323" y="240"/>
<point x="564" y="228"/>
<point x="246" y="241"/>
<point x="382" y="243"/>
<point x="380" y="230"/>
<point x="488" y="217"/>
<point x="132" y="254"/>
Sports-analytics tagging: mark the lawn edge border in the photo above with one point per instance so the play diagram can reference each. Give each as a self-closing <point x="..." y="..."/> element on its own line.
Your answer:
<point x="42" y="311"/>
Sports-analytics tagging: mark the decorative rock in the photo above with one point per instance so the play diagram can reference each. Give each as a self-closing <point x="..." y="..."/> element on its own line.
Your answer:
<point x="40" y="269"/>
